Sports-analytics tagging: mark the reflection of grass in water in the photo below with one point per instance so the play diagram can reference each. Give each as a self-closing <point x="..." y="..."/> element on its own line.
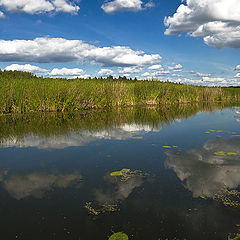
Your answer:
<point x="22" y="92"/>
<point x="49" y="124"/>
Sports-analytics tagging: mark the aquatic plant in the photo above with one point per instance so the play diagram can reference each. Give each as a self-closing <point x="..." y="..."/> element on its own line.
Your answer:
<point x="228" y="198"/>
<point x="237" y="237"/>
<point x="118" y="236"/>
<point x="23" y="92"/>
<point x="101" y="208"/>
<point x="126" y="174"/>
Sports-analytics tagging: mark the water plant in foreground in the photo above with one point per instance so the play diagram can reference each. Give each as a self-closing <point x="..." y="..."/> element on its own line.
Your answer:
<point x="119" y="236"/>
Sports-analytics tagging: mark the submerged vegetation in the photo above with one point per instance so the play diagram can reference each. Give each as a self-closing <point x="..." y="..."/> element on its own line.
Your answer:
<point x="23" y="92"/>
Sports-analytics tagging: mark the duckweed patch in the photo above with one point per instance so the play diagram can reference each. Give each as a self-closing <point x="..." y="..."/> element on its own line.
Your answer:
<point x="126" y="174"/>
<point x="119" y="236"/>
<point x="170" y="147"/>
<point x="101" y="208"/>
<point x="228" y="198"/>
<point x="222" y="153"/>
<point x="237" y="237"/>
<point x="91" y="210"/>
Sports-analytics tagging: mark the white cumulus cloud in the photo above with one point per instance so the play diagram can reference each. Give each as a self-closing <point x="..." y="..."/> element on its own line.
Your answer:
<point x="48" y="50"/>
<point x="66" y="72"/>
<point x="2" y="15"/>
<point x="25" y="68"/>
<point x="216" y="21"/>
<point x="156" y="67"/>
<point x="122" y="5"/>
<point x="237" y="75"/>
<point x="39" y="6"/>
<point x="130" y="70"/>
<point x="176" y="68"/>
<point x="105" y="72"/>
<point x="237" y="67"/>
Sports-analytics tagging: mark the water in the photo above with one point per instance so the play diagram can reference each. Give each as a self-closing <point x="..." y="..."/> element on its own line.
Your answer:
<point x="52" y="166"/>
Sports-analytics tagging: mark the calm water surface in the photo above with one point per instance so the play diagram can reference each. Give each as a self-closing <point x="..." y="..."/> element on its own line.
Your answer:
<point x="56" y="181"/>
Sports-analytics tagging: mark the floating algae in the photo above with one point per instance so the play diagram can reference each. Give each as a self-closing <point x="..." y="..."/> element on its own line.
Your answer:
<point x="221" y="153"/>
<point x="91" y="210"/>
<point x="228" y="198"/>
<point x="137" y="137"/>
<point x="126" y="174"/>
<point x="237" y="237"/>
<point x="119" y="236"/>
<point x="170" y="147"/>
<point x="101" y="208"/>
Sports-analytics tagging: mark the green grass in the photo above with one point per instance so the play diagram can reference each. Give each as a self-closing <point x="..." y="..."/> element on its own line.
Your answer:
<point x="22" y="92"/>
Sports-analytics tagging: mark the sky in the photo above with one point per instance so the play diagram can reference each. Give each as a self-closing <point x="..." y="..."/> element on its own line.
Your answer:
<point x="193" y="41"/>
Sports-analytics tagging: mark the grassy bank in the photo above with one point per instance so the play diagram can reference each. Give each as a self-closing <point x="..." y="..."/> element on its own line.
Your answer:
<point x="22" y="92"/>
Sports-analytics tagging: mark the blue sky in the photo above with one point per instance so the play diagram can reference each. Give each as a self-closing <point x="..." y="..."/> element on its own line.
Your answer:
<point x="198" y="43"/>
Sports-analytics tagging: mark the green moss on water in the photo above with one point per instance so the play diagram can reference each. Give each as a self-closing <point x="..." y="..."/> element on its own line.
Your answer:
<point x="126" y="174"/>
<point x="236" y="237"/>
<point x="120" y="173"/>
<point x="119" y="236"/>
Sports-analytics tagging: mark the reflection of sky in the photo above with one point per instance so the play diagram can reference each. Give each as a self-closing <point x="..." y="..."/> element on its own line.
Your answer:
<point x="23" y="185"/>
<point x="237" y="115"/>
<point x="121" y="190"/>
<point x="204" y="172"/>
<point x="122" y="132"/>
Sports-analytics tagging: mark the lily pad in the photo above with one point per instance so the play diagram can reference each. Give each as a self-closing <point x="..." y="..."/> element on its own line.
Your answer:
<point x="119" y="236"/>
<point x="120" y="173"/>
<point x="221" y="153"/>
<point x="232" y="154"/>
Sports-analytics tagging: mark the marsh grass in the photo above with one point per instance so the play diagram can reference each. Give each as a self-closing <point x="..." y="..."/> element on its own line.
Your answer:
<point x="22" y="92"/>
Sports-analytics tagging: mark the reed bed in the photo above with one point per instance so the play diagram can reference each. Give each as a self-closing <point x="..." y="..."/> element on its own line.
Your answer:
<point x="22" y="92"/>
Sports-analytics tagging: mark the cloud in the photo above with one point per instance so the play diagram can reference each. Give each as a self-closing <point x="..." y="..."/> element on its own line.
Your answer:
<point x="134" y="69"/>
<point x="146" y="74"/>
<point x="156" y="67"/>
<point x="66" y="72"/>
<point x="122" y="6"/>
<point x="202" y="171"/>
<point x="2" y="15"/>
<point x="176" y="68"/>
<point x="216" y="21"/>
<point x="237" y="75"/>
<point x="105" y="72"/>
<point x="126" y="6"/>
<point x="25" y="68"/>
<point x="209" y="79"/>
<point x="202" y="74"/>
<point x="57" y="50"/>
<point x="237" y="67"/>
<point x="39" y="6"/>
